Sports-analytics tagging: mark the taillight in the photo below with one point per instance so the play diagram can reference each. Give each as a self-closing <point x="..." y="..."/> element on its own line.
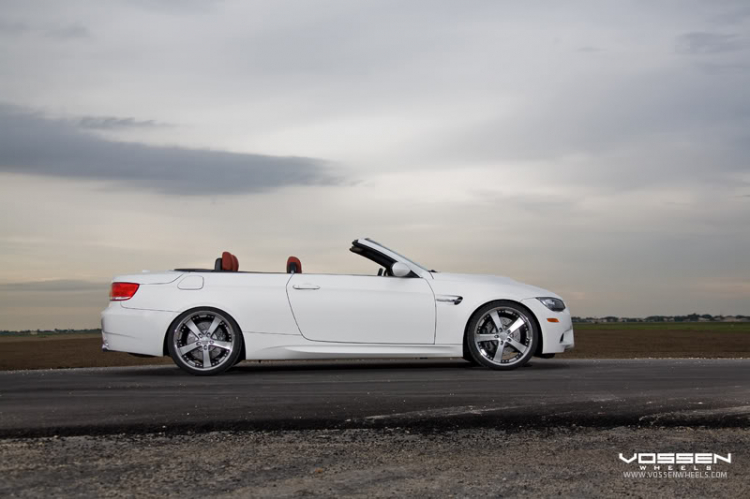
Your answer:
<point x="122" y="291"/>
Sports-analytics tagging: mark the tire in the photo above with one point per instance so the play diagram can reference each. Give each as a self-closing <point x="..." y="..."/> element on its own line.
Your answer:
<point x="467" y="354"/>
<point x="204" y="336"/>
<point x="514" y="340"/>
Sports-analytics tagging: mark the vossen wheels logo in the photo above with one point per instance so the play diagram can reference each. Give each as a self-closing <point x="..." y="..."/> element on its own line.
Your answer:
<point x="676" y="464"/>
<point x="676" y="458"/>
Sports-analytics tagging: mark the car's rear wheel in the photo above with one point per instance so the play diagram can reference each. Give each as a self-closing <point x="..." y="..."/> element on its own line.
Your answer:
<point x="204" y="341"/>
<point x="502" y="335"/>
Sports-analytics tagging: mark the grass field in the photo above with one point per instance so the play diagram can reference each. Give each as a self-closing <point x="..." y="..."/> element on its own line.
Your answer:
<point x="606" y="341"/>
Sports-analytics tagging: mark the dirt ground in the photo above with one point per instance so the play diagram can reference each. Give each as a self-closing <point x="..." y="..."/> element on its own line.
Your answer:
<point x="560" y="462"/>
<point x="63" y="351"/>
<point x="661" y="340"/>
<point x="606" y="341"/>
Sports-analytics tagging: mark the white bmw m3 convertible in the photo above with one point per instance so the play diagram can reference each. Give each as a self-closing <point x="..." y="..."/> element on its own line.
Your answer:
<point x="208" y="320"/>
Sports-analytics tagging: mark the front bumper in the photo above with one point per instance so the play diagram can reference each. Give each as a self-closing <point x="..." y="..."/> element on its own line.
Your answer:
<point x="557" y="337"/>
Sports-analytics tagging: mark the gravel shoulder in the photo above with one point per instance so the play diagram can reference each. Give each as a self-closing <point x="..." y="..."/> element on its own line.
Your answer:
<point x="394" y="462"/>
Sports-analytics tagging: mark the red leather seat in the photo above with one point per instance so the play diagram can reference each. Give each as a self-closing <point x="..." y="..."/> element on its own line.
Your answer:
<point x="228" y="263"/>
<point x="293" y="265"/>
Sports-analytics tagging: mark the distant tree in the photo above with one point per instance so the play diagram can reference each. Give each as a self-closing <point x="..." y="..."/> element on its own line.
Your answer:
<point x="655" y="318"/>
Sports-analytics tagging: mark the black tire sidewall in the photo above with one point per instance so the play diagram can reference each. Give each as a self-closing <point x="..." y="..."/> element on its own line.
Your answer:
<point x="472" y="325"/>
<point x="467" y="355"/>
<point x="177" y="358"/>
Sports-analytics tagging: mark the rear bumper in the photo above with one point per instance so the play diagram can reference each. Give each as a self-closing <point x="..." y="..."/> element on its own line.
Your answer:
<point x="557" y="337"/>
<point x="134" y="331"/>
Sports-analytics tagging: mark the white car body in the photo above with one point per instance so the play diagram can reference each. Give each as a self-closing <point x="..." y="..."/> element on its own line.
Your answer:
<point x="326" y="316"/>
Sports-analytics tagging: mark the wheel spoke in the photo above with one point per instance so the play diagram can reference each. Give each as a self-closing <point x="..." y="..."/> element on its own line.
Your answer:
<point x="517" y="345"/>
<point x="513" y="327"/>
<point x="496" y="319"/>
<point x="226" y="345"/>
<point x="499" y="352"/>
<point x="485" y="337"/>
<point x="188" y="348"/>
<point x="193" y="328"/>
<point x="213" y="326"/>
<point x="206" y="358"/>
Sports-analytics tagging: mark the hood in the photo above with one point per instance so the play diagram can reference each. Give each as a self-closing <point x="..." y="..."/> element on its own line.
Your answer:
<point x="532" y="291"/>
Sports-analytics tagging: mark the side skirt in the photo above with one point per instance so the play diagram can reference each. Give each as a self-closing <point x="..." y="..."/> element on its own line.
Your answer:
<point x="260" y="346"/>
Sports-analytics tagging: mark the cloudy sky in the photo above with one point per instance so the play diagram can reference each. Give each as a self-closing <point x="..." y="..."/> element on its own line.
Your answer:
<point x="599" y="149"/>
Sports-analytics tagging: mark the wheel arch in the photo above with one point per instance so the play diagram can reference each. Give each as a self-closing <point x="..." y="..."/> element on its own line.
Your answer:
<point x="165" y="342"/>
<point x="540" y="346"/>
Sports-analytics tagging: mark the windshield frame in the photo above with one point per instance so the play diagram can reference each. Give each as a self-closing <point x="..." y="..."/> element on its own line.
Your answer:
<point x="400" y="257"/>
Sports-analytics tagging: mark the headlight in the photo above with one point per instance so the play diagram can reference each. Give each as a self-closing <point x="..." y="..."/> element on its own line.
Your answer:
<point x="554" y="304"/>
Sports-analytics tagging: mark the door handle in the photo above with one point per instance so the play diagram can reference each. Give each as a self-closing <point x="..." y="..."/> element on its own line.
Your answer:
<point x="310" y="287"/>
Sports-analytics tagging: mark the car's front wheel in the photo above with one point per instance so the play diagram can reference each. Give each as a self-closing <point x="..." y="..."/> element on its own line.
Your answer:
<point x="204" y="341"/>
<point x="502" y="335"/>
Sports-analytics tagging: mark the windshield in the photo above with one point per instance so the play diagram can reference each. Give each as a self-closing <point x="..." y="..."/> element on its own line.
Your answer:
<point x="402" y="257"/>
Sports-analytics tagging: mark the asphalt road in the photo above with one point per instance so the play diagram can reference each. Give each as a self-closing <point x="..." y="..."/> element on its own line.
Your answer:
<point x="376" y="394"/>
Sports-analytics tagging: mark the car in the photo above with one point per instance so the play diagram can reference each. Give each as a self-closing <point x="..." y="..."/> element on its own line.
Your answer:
<point x="208" y="320"/>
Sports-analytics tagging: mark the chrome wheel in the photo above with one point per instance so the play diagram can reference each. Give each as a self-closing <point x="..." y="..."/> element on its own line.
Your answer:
<point x="204" y="340"/>
<point x="504" y="336"/>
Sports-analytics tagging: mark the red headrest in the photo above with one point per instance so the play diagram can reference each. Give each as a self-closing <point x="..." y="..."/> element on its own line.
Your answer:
<point x="293" y="265"/>
<point x="226" y="261"/>
<point x="229" y="262"/>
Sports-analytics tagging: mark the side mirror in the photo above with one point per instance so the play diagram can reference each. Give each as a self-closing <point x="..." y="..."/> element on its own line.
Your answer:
<point x="399" y="269"/>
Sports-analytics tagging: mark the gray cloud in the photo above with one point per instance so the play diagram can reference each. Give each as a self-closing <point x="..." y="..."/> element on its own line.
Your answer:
<point x="734" y="15"/>
<point x="667" y="126"/>
<point x="34" y="145"/>
<point x="52" y="304"/>
<point x="54" y="286"/>
<point x="458" y="116"/>
<point x="719" y="68"/>
<point x="68" y="32"/>
<point x="701" y="42"/>
<point x="177" y="7"/>
<point x="60" y="32"/>
<point x="115" y="123"/>
<point x="12" y="27"/>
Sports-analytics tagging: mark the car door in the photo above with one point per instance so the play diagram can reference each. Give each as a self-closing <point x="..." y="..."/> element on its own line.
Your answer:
<point x="363" y="309"/>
